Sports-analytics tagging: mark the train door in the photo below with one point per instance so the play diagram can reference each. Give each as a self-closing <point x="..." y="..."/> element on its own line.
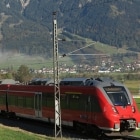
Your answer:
<point x="38" y="104"/>
<point x="88" y="108"/>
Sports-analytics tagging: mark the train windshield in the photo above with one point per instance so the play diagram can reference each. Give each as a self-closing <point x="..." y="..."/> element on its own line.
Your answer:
<point x="118" y="96"/>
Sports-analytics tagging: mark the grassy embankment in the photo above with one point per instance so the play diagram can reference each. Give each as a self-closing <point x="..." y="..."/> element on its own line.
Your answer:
<point x="9" y="133"/>
<point x="134" y="87"/>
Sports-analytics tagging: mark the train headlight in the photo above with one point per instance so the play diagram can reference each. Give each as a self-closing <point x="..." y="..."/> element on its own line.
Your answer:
<point x="133" y="109"/>
<point x="116" y="126"/>
<point x="114" y="110"/>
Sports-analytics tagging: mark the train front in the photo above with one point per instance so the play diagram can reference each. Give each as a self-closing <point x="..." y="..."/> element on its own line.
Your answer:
<point x="120" y="111"/>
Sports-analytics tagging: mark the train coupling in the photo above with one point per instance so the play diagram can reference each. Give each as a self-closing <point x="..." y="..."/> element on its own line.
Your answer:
<point x="128" y="124"/>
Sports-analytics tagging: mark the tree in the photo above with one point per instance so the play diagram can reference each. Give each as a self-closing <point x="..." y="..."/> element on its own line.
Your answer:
<point x="23" y="74"/>
<point x="7" y="76"/>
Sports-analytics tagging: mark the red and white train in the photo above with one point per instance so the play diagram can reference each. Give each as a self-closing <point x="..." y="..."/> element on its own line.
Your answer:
<point x="95" y="105"/>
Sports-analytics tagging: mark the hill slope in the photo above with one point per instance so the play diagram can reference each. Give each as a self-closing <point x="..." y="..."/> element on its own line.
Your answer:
<point x="26" y="25"/>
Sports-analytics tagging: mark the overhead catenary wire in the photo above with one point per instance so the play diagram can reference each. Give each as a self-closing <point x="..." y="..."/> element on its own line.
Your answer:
<point x="70" y="53"/>
<point x="60" y="10"/>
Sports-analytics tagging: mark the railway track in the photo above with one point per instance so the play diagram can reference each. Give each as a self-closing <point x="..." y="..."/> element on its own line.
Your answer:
<point x="124" y="138"/>
<point x="132" y="138"/>
<point x="47" y="129"/>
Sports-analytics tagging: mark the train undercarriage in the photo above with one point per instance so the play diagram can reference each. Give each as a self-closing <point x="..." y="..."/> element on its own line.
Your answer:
<point x="127" y="127"/>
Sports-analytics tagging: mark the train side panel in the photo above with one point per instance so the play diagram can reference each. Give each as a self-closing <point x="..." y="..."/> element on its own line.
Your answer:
<point x="21" y="102"/>
<point x="3" y="91"/>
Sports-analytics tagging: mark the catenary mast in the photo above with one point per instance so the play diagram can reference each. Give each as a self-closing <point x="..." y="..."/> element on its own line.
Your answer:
<point x="58" y="130"/>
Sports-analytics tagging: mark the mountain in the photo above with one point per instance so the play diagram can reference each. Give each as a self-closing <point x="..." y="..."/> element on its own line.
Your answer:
<point x="26" y="25"/>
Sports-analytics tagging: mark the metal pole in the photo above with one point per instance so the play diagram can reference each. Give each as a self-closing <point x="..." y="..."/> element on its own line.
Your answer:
<point x="58" y="131"/>
<point x="7" y="108"/>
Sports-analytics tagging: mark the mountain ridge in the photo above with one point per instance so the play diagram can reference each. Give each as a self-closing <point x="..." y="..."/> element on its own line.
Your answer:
<point x="26" y="25"/>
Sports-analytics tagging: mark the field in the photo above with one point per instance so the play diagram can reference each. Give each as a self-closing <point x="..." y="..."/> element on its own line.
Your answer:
<point x="14" y="61"/>
<point x="14" y="133"/>
<point x="134" y="87"/>
<point x="9" y="133"/>
<point x="138" y="103"/>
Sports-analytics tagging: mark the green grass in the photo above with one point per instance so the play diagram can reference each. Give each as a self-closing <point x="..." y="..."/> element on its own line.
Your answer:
<point x="138" y="102"/>
<point x="137" y="132"/>
<point x="17" y="134"/>
<point x="9" y="60"/>
<point x="133" y="86"/>
<point x="16" y="60"/>
<point x="132" y="83"/>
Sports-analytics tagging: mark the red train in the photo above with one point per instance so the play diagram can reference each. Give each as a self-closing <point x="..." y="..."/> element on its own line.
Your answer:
<point x="95" y="105"/>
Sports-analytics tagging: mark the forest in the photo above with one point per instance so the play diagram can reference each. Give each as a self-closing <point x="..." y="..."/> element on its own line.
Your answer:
<point x="29" y="29"/>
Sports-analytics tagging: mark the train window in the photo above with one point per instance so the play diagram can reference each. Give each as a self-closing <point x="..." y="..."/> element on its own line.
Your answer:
<point x="21" y="101"/>
<point x="118" y="99"/>
<point x="29" y="102"/>
<point x="2" y="99"/>
<point x="118" y="96"/>
<point x="50" y="99"/>
<point x="95" y="106"/>
<point x="44" y="100"/>
<point x="74" y="101"/>
<point x="84" y="103"/>
<point x="63" y="101"/>
<point x="12" y="100"/>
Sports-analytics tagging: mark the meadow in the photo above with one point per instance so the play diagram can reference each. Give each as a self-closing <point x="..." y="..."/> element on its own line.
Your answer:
<point x="9" y="133"/>
<point x="134" y="87"/>
<point x="14" y="61"/>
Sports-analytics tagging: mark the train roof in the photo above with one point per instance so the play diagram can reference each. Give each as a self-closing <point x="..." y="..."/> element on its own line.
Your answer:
<point x="74" y="81"/>
<point x="80" y="81"/>
<point x="103" y="81"/>
<point x="40" y="81"/>
<point x="100" y="81"/>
